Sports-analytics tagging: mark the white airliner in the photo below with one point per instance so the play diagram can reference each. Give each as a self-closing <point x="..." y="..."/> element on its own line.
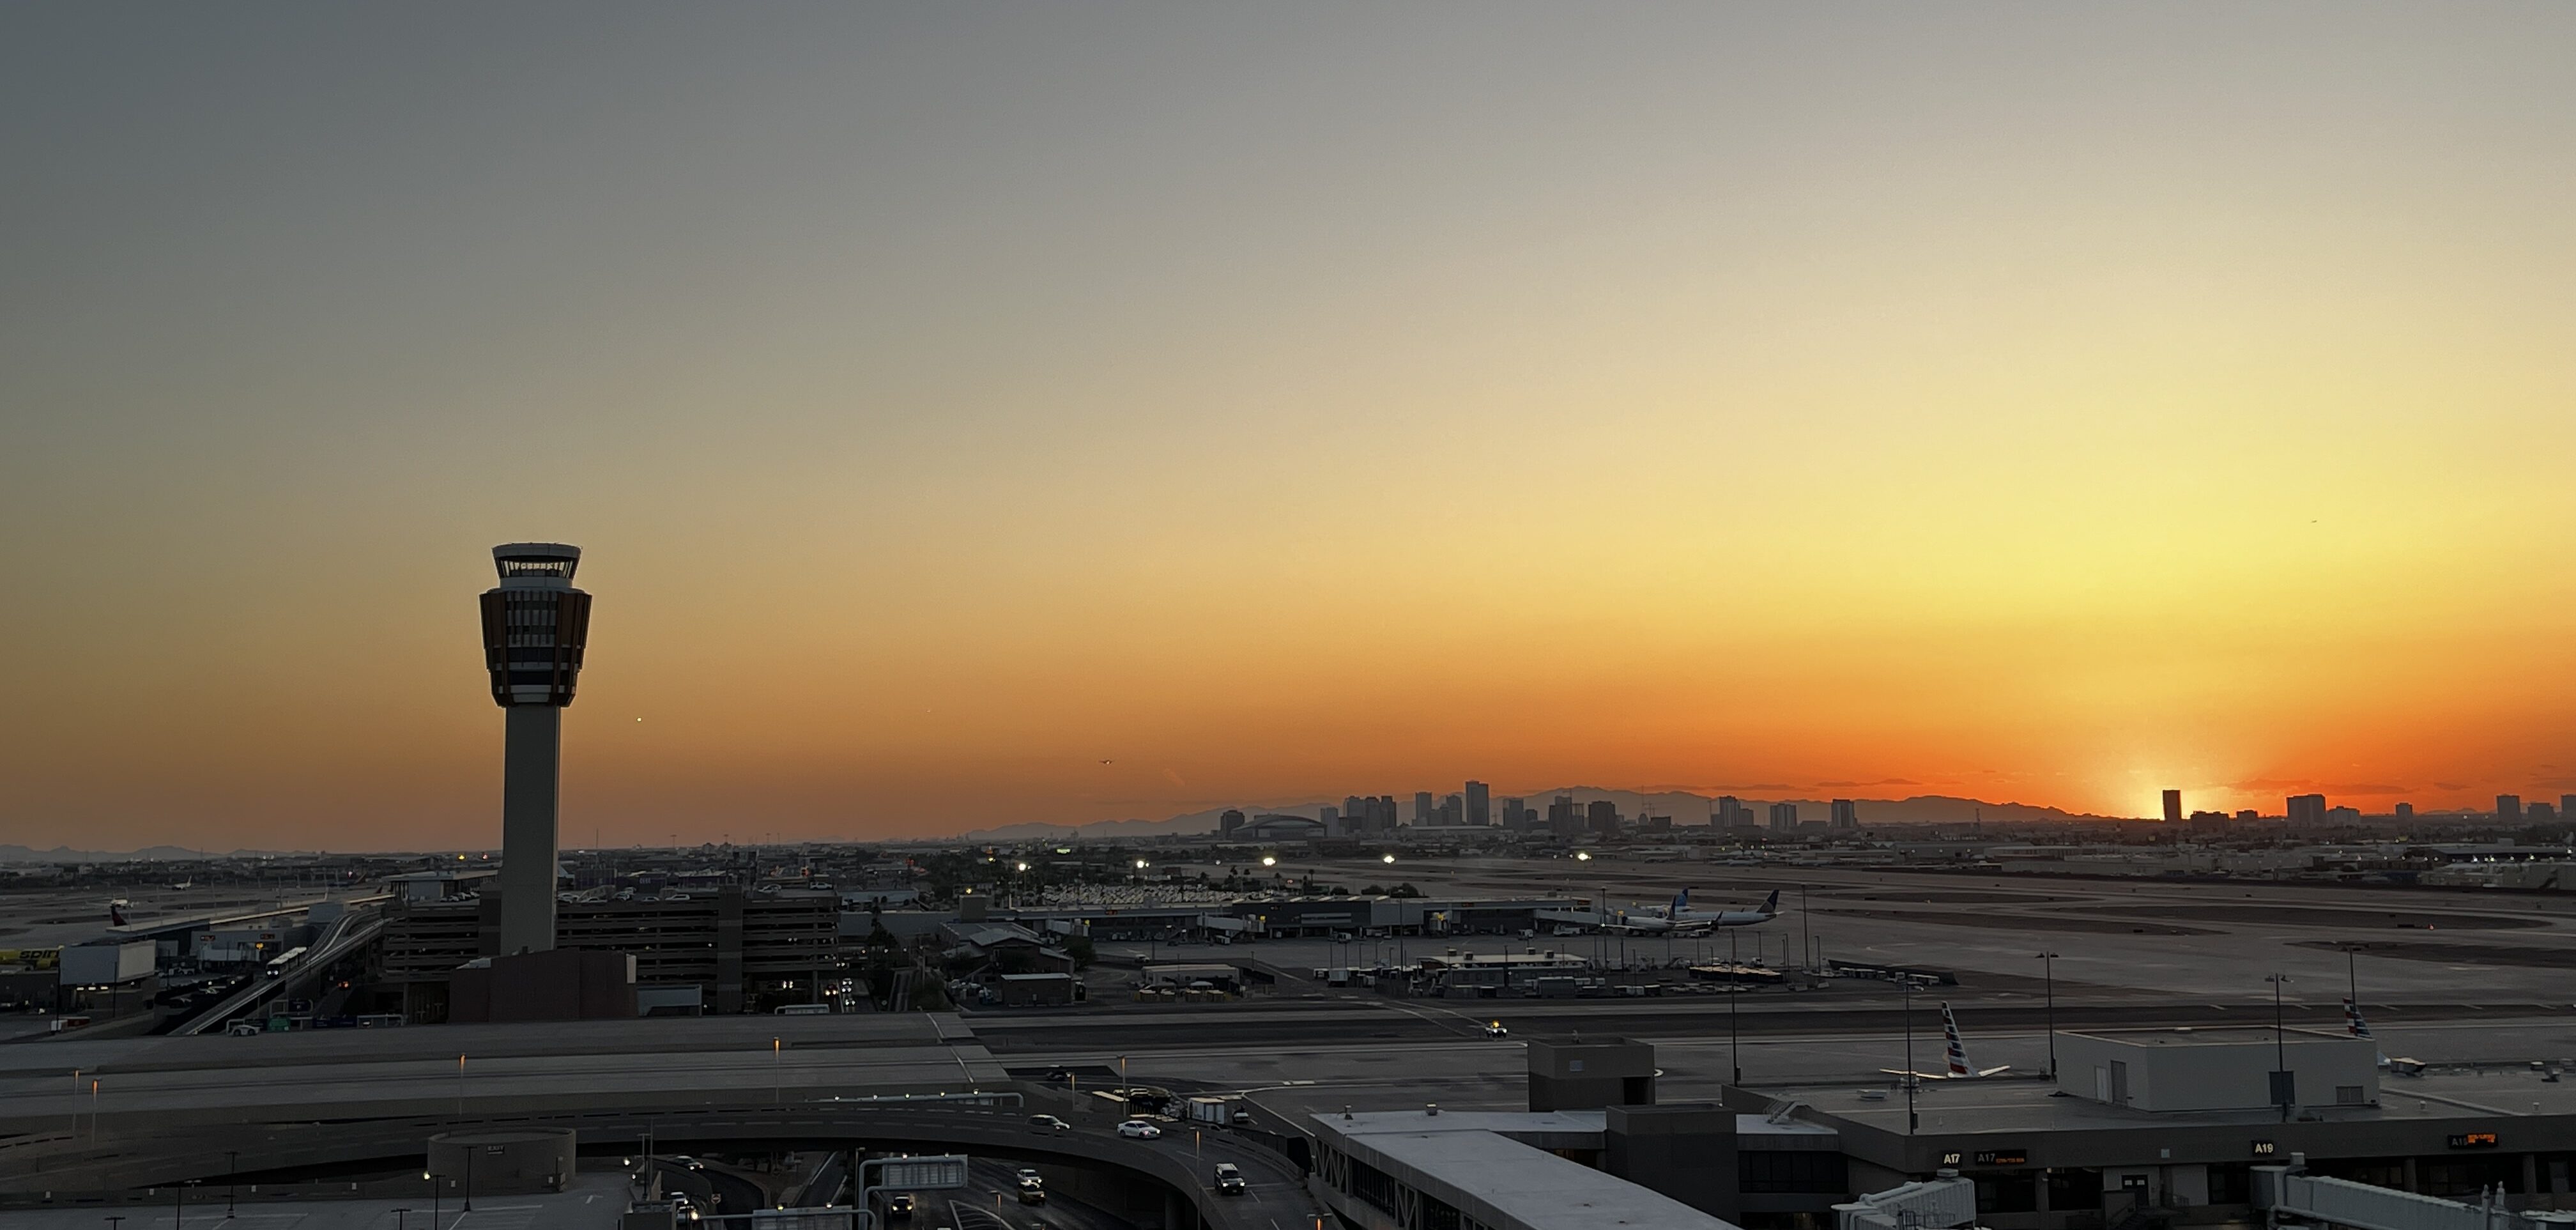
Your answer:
<point x="1957" y="1068"/>
<point x="1680" y="919"/>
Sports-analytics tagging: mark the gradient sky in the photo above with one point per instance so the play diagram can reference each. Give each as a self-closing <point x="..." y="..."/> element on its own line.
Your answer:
<point x="2034" y="403"/>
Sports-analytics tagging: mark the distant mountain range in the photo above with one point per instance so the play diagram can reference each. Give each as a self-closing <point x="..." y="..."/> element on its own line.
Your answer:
<point x="1685" y="807"/>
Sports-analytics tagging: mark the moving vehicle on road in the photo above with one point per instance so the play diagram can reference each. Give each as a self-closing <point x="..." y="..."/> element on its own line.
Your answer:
<point x="1138" y="1129"/>
<point x="1049" y="1123"/>
<point x="1494" y="1029"/>
<point x="899" y="1207"/>
<point x="1229" y="1181"/>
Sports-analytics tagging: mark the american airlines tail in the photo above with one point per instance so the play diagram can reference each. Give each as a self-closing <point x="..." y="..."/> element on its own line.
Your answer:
<point x="1958" y="1051"/>
<point x="2352" y="1020"/>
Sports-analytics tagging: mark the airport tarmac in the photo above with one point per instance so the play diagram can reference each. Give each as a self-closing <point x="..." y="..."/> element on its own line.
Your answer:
<point x="2191" y="940"/>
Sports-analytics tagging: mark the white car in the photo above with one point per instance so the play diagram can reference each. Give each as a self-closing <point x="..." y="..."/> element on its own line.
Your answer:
<point x="1138" y="1129"/>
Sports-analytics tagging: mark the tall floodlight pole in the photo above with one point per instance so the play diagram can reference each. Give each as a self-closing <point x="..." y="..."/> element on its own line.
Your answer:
<point x="2048" y="982"/>
<point x="535" y="625"/>
<point x="1907" y="981"/>
<point x="2283" y="1088"/>
<point x="1734" y="997"/>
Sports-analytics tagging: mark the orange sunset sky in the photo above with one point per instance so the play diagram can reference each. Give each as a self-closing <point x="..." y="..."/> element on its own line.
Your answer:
<point x="1025" y="412"/>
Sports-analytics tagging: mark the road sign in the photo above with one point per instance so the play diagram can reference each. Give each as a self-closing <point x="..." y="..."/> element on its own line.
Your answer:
<point x="918" y="1174"/>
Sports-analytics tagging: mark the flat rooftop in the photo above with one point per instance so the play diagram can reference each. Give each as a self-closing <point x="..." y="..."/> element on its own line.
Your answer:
<point x="1497" y="1178"/>
<point x="2010" y="1104"/>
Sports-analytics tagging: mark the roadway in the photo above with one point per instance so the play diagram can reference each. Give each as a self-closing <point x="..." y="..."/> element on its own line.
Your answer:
<point x="147" y="1153"/>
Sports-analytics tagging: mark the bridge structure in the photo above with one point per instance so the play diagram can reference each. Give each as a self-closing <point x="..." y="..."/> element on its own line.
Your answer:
<point x="280" y="1109"/>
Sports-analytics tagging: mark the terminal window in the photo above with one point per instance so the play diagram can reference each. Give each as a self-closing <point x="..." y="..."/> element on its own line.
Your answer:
<point x="1781" y="1172"/>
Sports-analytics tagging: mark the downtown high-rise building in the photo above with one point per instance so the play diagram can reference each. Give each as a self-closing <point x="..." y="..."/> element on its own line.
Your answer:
<point x="2508" y="808"/>
<point x="2309" y="809"/>
<point x="1846" y="814"/>
<point x="1730" y="812"/>
<point x="1602" y="817"/>
<point x="1480" y="803"/>
<point x="1425" y="812"/>
<point x="2173" y="807"/>
<point x="1784" y="817"/>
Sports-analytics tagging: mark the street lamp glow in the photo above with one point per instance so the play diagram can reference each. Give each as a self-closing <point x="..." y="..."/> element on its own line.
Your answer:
<point x="1582" y="856"/>
<point x="1140" y="864"/>
<point x="1268" y="861"/>
<point x="1022" y="866"/>
<point x="1389" y="858"/>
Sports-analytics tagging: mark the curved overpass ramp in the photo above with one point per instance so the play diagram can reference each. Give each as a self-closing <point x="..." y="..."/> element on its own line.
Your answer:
<point x="61" y="1162"/>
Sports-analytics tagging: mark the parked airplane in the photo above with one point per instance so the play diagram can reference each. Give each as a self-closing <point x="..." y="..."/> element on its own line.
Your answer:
<point x="116" y="912"/>
<point x="2352" y="1020"/>
<point x="1680" y="919"/>
<point x="1957" y="1068"/>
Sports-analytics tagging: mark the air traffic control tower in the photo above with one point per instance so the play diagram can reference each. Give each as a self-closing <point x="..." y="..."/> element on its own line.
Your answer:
<point x="534" y="626"/>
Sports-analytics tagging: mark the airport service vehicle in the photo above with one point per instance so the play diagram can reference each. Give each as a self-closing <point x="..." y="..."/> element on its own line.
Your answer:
<point x="1494" y="1029"/>
<point x="1049" y="1123"/>
<point x="1956" y="1067"/>
<point x="1680" y="919"/>
<point x="1138" y="1129"/>
<point x="899" y="1206"/>
<point x="1229" y="1181"/>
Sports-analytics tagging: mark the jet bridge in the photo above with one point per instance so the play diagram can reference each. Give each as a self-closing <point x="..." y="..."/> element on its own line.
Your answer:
<point x="2287" y="1193"/>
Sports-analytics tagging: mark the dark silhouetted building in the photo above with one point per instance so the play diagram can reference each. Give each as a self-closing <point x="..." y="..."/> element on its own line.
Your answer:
<point x="1846" y="814"/>
<point x="1602" y="817"/>
<point x="1784" y="816"/>
<point x="2173" y="807"/>
<point x="1563" y="819"/>
<point x="1423" y="810"/>
<point x="1480" y="803"/>
<point x="2405" y="811"/>
<point x="2306" y="809"/>
<point x="1230" y="823"/>
<point x="1731" y="812"/>
<point x="2508" y="807"/>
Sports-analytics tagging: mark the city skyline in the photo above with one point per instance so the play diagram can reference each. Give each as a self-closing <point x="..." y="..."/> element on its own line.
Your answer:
<point x="2045" y="407"/>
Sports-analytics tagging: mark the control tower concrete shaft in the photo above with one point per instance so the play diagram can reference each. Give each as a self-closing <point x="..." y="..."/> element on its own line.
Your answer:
<point x="534" y="627"/>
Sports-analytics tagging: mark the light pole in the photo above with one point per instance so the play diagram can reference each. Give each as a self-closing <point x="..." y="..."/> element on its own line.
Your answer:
<point x="1734" y="998"/>
<point x="435" y="1180"/>
<point x="777" y="1073"/>
<point x="1907" y="982"/>
<point x="2284" y="1086"/>
<point x="232" y="1171"/>
<point x="469" y="1179"/>
<point x="460" y="1086"/>
<point x="2048" y="983"/>
<point x="1806" y="925"/>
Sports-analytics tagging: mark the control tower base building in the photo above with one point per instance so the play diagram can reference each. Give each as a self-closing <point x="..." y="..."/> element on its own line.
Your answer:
<point x="535" y="625"/>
